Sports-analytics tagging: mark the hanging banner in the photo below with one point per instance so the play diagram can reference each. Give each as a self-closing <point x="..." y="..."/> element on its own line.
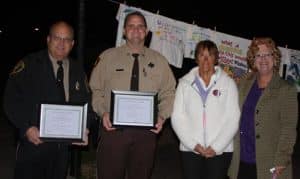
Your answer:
<point x="285" y="59"/>
<point x="194" y="34"/>
<point x="293" y="68"/>
<point x="232" y="54"/>
<point x="168" y="38"/>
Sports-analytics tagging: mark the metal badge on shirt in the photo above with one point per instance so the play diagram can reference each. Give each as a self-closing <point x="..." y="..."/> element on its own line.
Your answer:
<point x="77" y="86"/>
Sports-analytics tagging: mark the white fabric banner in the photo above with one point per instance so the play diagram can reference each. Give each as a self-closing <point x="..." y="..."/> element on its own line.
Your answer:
<point x="232" y="54"/>
<point x="293" y="68"/>
<point x="168" y="38"/>
<point x="285" y="59"/>
<point x="194" y="34"/>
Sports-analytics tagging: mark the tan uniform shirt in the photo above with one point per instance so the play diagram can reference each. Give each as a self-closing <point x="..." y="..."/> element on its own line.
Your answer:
<point x="113" y="72"/>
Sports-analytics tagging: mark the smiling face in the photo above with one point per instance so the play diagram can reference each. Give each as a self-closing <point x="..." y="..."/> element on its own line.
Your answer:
<point x="264" y="61"/>
<point x="135" y="30"/>
<point x="60" y="41"/>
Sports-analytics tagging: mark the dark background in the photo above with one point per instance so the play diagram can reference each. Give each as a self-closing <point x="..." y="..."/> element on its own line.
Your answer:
<point x="247" y="19"/>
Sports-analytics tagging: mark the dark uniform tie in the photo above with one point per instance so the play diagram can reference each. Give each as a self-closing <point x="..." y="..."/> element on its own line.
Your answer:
<point x="134" y="86"/>
<point x="60" y="81"/>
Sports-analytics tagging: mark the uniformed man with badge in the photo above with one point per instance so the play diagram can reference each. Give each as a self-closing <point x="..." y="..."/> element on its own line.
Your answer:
<point x="47" y="76"/>
<point x="129" y="152"/>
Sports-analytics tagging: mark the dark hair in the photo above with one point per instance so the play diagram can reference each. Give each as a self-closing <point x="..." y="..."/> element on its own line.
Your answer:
<point x="210" y="46"/>
<point x="135" y="13"/>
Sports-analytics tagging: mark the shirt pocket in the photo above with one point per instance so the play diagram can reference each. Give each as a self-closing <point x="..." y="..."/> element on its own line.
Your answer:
<point x="119" y="80"/>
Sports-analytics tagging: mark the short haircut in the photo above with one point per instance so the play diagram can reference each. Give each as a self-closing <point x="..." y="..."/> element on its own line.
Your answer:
<point x="210" y="46"/>
<point x="58" y="23"/>
<point x="135" y="13"/>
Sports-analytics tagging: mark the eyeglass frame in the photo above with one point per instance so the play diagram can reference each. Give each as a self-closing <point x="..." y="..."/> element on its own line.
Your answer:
<point x="264" y="56"/>
<point x="63" y="39"/>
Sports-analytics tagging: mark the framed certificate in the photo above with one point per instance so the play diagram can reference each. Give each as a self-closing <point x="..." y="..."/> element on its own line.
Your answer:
<point x="63" y="122"/>
<point x="133" y="108"/>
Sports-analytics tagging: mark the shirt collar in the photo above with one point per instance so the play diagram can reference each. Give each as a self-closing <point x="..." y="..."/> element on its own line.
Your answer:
<point x="129" y="53"/>
<point x="213" y="78"/>
<point x="54" y="61"/>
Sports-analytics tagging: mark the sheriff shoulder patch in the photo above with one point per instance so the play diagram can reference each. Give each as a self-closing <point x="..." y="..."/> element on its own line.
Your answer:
<point x="18" y="68"/>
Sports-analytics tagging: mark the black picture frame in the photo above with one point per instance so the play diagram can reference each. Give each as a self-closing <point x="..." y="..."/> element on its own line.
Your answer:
<point x="133" y="109"/>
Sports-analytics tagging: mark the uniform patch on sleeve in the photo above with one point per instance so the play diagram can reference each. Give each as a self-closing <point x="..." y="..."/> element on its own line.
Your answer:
<point x="20" y="66"/>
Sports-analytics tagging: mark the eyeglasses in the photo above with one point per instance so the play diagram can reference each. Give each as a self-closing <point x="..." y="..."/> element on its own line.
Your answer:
<point x="63" y="39"/>
<point x="263" y="56"/>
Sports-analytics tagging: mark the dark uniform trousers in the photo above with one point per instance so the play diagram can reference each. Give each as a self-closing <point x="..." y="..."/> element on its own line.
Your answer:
<point x="126" y="152"/>
<point x="45" y="161"/>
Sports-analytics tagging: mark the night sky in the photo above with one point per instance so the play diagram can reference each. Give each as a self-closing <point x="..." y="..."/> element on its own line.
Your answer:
<point x="246" y="19"/>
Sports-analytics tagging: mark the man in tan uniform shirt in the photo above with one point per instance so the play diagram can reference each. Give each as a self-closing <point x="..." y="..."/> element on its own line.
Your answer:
<point x="130" y="151"/>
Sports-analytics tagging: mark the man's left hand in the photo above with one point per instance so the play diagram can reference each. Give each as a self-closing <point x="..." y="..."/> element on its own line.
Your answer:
<point x="158" y="125"/>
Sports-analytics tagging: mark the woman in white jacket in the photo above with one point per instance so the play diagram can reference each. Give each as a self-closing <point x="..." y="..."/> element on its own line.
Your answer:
<point x="206" y="116"/>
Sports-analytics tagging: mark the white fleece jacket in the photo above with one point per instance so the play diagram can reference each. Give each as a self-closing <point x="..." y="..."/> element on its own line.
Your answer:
<point x="221" y="109"/>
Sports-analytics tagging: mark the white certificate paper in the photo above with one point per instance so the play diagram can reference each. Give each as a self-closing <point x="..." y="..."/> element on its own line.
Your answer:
<point x="133" y="108"/>
<point x="65" y="122"/>
<point x="62" y="122"/>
